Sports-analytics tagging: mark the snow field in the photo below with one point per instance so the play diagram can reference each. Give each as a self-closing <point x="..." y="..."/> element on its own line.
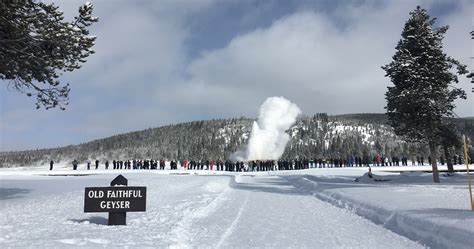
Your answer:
<point x="45" y="216"/>
<point x="251" y="209"/>
<point x="437" y="215"/>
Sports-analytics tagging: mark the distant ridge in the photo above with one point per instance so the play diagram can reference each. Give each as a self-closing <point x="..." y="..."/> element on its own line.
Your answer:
<point x="319" y="135"/>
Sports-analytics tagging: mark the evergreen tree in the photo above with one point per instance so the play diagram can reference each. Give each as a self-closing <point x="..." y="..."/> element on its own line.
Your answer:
<point x="421" y="74"/>
<point x="36" y="46"/>
<point x="471" y="75"/>
<point x="449" y="139"/>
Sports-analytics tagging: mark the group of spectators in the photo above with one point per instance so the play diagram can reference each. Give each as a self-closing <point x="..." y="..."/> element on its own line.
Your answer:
<point x="264" y="165"/>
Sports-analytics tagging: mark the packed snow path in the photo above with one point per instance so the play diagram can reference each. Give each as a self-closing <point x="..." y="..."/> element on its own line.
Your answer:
<point x="266" y="211"/>
<point x="184" y="211"/>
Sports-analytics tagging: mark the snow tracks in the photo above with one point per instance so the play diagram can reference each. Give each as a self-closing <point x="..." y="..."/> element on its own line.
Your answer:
<point x="267" y="211"/>
<point x="237" y="211"/>
<point x="436" y="230"/>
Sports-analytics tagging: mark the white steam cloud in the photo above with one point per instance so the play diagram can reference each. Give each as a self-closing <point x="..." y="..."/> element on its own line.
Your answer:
<point x="268" y="137"/>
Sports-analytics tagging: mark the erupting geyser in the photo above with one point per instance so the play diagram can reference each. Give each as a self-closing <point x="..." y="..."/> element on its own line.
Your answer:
<point x="268" y="138"/>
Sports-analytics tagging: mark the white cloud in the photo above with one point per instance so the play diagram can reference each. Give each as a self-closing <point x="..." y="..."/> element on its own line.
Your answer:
<point x="458" y="44"/>
<point x="308" y="58"/>
<point x="139" y="47"/>
<point x="141" y="75"/>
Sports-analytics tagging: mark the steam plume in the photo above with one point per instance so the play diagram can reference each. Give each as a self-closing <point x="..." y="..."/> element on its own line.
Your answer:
<point x="268" y="138"/>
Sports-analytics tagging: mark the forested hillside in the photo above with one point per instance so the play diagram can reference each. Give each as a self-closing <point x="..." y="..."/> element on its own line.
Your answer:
<point x="314" y="136"/>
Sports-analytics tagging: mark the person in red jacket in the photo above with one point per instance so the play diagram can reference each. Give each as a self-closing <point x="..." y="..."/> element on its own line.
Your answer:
<point x="185" y="163"/>
<point x="211" y="163"/>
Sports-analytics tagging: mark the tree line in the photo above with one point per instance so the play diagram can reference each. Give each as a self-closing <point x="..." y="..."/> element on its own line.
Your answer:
<point x="316" y="136"/>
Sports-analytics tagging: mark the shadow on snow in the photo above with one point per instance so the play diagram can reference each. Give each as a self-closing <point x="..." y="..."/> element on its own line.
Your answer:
<point x="12" y="193"/>
<point x="99" y="220"/>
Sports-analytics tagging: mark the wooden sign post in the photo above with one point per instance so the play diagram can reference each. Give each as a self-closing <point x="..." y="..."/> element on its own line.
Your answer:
<point x="117" y="200"/>
<point x="466" y="159"/>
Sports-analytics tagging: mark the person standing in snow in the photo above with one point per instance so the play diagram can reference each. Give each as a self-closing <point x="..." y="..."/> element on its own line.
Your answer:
<point x="74" y="164"/>
<point x="171" y="164"/>
<point x="107" y="164"/>
<point x="88" y="165"/>
<point x="162" y="164"/>
<point x="378" y="159"/>
<point x="51" y="163"/>
<point x="96" y="164"/>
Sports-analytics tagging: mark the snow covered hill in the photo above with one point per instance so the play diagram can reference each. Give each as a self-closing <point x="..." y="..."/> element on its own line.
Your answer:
<point x="317" y="136"/>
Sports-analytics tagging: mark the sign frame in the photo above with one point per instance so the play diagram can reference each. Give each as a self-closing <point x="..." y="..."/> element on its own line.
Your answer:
<point x="117" y="200"/>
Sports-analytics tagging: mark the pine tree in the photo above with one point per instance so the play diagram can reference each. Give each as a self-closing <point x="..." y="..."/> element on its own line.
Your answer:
<point x="471" y="75"/>
<point x="37" y="45"/>
<point x="421" y="73"/>
<point x="450" y="138"/>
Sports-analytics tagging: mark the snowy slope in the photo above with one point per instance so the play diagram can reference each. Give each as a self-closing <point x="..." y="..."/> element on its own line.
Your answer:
<point x="320" y="136"/>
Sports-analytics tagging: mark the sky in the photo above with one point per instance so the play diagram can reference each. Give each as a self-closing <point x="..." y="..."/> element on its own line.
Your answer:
<point x="171" y="61"/>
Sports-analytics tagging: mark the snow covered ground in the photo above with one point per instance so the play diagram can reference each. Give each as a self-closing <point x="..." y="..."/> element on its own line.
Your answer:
<point x="317" y="208"/>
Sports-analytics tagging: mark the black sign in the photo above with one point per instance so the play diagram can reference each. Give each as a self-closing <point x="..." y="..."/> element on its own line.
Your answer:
<point x="115" y="199"/>
<point x="119" y="180"/>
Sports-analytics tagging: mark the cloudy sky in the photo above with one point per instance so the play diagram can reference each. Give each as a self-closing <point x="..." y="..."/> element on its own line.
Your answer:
<point x="171" y="61"/>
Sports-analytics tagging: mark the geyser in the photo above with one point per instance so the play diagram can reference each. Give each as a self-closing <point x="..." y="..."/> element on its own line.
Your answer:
<point x="268" y="137"/>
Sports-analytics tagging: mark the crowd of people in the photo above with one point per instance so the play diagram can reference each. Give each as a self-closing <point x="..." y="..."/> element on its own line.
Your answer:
<point x="265" y="165"/>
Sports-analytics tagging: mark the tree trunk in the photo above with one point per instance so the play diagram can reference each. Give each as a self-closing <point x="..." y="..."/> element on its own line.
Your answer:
<point x="433" y="154"/>
<point x="448" y="159"/>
